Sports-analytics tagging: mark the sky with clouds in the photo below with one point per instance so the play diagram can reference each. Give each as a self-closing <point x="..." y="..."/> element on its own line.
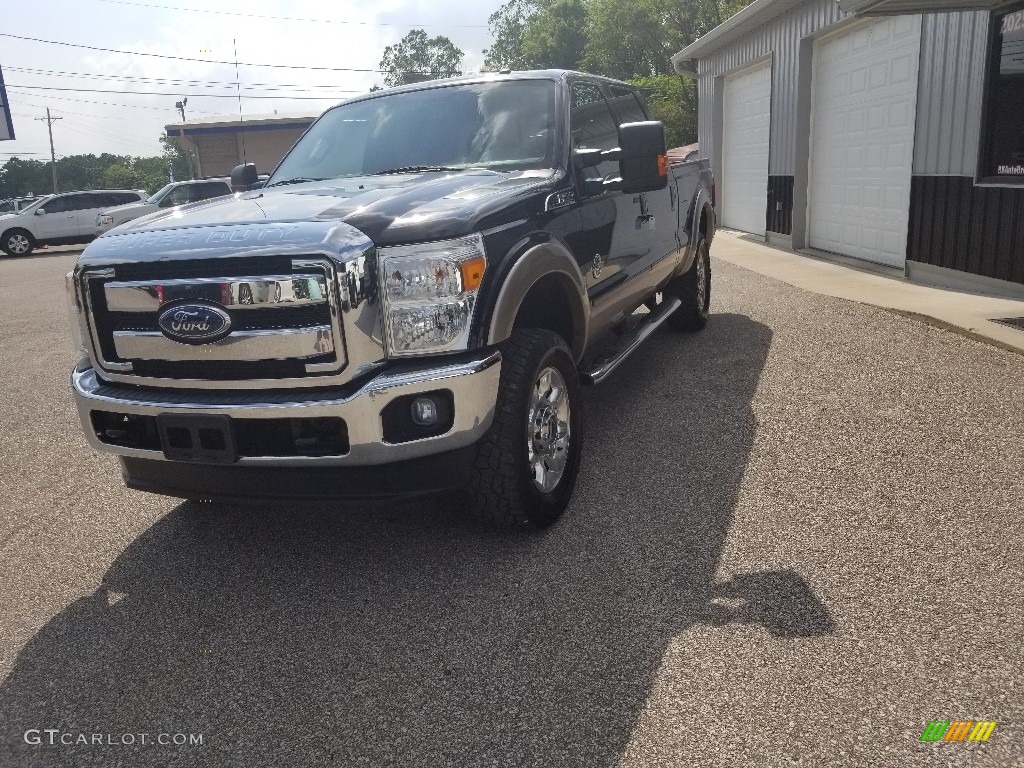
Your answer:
<point x="100" y="115"/>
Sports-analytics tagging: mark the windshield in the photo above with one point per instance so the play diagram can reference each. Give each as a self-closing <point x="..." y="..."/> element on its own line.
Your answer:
<point x="506" y="125"/>
<point x="35" y="204"/>
<point x="7" y="206"/>
<point x="160" y="194"/>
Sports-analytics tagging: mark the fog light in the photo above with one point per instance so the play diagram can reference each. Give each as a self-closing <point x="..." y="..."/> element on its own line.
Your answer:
<point x="424" y="412"/>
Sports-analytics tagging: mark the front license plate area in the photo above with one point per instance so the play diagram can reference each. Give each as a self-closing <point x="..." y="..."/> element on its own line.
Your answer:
<point x="206" y="439"/>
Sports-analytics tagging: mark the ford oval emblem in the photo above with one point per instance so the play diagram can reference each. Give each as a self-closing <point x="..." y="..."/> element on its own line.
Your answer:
<point x="195" y="323"/>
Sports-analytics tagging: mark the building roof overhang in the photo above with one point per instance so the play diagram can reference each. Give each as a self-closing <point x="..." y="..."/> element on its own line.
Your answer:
<point x="904" y="7"/>
<point x="760" y="12"/>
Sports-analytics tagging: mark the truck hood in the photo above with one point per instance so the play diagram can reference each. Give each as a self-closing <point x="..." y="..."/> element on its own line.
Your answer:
<point x="386" y="209"/>
<point x="132" y="208"/>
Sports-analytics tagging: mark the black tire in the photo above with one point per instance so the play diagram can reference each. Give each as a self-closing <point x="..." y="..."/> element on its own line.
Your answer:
<point x="693" y="314"/>
<point x="503" y="490"/>
<point x="17" y="242"/>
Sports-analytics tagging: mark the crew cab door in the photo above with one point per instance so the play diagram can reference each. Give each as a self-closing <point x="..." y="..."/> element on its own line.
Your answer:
<point x="657" y="221"/>
<point x="60" y="219"/>
<point x="607" y="244"/>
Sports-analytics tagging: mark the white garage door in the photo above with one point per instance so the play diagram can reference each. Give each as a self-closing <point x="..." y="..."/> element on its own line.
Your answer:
<point x="862" y="139"/>
<point x="743" y="188"/>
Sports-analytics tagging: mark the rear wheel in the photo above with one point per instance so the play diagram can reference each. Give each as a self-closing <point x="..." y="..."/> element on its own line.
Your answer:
<point x="694" y="290"/>
<point x="528" y="461"/>
<point x="17" y="242"/>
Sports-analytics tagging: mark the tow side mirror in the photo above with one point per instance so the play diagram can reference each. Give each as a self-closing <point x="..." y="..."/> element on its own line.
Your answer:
<point x="643" y="159"/>
<point x="244" y="177"/>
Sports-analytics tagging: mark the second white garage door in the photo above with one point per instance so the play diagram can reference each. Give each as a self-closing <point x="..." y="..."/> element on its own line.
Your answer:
<point x="747" y="107"/>
<point x="862" y="139"/>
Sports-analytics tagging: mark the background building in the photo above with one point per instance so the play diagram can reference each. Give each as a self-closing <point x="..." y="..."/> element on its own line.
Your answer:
<point x="219" y="144"/>
<point x="896" y="139"/>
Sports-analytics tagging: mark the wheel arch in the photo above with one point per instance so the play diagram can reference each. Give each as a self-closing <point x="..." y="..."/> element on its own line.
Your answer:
<point x="702" y="222"/>
<point x="543" y="289"/>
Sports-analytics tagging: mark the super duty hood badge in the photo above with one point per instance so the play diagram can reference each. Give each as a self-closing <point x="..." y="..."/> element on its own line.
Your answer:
<point x="195" y="323"/>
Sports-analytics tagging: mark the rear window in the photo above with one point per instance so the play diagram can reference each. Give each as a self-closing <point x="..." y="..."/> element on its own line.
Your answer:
<point x="626" y="105"/>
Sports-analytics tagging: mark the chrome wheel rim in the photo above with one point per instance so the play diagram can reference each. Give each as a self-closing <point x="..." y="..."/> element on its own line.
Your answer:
<point x="548" y="429"/>
<point x="702" y="281"/>
<point x="17" y="243"/>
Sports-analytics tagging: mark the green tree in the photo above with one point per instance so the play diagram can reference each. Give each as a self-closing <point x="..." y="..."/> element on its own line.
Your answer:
<point x="417" y="54"/>
<point x="630" y="40"/>
<point x="673" y="101"/>
<point x="119" y="176"/>
<point x="556" y="36"/>
<point x="21" y="177"/>
<point x="175" y="155"/>
<point x="508" y="27"/>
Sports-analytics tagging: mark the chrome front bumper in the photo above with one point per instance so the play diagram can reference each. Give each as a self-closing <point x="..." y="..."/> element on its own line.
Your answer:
<point x="473" y="384"/>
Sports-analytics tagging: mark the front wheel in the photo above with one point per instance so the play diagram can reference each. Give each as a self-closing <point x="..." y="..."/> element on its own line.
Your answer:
<point x="17" y="242"/>
<point x="527" y="463"/>
<point x="694" y="290"/>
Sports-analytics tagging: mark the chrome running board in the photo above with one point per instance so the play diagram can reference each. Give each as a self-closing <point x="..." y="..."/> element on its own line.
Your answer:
<point x="603" y="366"/>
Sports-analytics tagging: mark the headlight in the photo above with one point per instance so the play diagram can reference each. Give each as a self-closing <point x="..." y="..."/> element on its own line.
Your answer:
<point x="75" y="316"/>
<point x="429" y="292"/>
<point x="104" y="219"/>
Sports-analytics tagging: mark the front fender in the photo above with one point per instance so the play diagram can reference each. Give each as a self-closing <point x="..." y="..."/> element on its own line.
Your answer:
<point x="534" y="263"/>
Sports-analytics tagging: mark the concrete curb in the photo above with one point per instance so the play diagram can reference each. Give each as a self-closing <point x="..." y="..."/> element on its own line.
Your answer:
<point x="969" y="314"/>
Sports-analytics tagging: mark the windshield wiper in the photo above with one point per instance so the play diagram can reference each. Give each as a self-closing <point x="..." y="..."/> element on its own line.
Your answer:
<point x="296" y="180"/>
<point x="416" y="169"/>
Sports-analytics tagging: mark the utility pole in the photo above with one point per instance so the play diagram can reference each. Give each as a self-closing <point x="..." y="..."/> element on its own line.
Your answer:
<point x="53" y="156"/>
<point x="180" y="106"/>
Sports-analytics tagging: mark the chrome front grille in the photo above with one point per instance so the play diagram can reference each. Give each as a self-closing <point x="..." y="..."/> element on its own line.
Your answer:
<point x="284" y="325"/>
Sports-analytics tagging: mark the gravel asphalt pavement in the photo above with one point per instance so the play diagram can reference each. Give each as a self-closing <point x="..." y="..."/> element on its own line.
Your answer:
<point x="798" y="538"/>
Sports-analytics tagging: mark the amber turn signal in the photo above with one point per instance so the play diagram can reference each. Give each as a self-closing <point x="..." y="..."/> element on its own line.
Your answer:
<point x="663" y="165"/>
<point x="472" y="273"/>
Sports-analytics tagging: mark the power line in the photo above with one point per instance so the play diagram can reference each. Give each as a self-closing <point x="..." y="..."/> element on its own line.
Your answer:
<point x="290" y="18"/>
<point x="112" y="135"/>
<point x="22" y="101"/>
<point x="170" y="81"/>
<point x="161" y="93"/>
<point x="186" y="58"/>
<point x="112" y="104"/>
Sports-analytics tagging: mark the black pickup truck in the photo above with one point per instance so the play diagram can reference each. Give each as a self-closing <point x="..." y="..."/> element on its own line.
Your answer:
<point x="409" y="305"/>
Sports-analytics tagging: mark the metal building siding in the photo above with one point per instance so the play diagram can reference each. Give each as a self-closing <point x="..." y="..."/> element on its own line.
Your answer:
<point x="780" y="37"/>
<point x="952" y="77"/>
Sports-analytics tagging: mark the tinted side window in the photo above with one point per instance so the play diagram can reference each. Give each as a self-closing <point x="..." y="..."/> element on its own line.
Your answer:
<point x="208" y="190"/>
<point x="626" y="105"/>
<point x="121" y="198"/>
<point x="63" y="204"/>
<point x="88" y="202"/>
<point x="592" y="124"/>
<point x="178" y="195"/>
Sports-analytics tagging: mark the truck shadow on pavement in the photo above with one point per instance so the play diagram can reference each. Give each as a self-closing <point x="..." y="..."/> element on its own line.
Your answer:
<point x="401" y="635"/>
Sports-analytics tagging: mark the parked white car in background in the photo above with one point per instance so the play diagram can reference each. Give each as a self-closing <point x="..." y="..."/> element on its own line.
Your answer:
<point x="16" y="204"/>
<point x="175" y="193"/>
<point x="67" y="218"/>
